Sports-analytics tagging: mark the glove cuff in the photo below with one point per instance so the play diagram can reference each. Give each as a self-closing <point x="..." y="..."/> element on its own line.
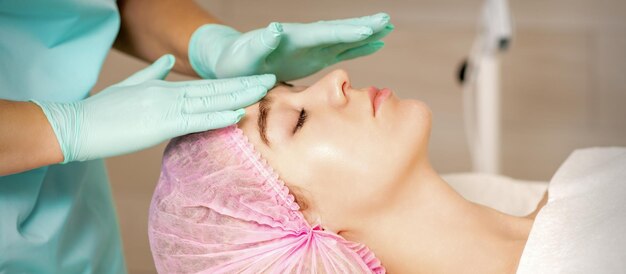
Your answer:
<point x="65" y="120"/>
<point x="206" y="45"/>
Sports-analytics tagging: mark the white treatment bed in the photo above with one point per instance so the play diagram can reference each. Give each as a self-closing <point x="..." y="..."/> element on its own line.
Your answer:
<point x="511" y="196"/>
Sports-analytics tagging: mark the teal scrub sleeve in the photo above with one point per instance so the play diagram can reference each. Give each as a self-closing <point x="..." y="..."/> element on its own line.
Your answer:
<point x="144" y="110"/>
<point x="289" y="51"/>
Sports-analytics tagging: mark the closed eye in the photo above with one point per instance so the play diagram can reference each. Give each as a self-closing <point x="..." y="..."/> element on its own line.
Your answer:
<point x="301" y="121"/>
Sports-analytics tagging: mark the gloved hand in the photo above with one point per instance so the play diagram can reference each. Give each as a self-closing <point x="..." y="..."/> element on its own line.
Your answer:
<point x="290" y="51"/>
<point x="143" y="111"/>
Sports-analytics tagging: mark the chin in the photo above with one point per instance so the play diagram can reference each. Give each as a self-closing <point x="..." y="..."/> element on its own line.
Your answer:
<point x="415" y="126"/>
<point x="417" y="114"/>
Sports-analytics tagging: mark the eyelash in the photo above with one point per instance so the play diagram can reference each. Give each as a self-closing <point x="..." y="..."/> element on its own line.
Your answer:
<point x="301" y="120"/>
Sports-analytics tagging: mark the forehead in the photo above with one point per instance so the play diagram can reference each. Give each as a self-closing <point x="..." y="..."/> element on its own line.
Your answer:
<point x="282" y="89"/>
<point x="274" y="95"/>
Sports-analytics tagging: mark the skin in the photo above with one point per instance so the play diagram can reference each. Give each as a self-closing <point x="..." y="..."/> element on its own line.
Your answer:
<point x="368" y="178"/>
<point x="149" y="29"/>
<point x="27" y="140"/>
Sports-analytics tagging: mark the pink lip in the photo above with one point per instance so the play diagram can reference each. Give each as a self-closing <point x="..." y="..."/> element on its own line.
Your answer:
<point x="377" y="96"/>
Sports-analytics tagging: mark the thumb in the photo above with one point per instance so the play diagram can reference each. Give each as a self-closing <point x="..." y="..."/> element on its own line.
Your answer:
<point x="157" y="71"/>
<point x="264" y="42"/>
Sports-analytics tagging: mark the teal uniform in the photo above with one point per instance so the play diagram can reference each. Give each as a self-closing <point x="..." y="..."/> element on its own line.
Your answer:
<point x="59" y="218"/>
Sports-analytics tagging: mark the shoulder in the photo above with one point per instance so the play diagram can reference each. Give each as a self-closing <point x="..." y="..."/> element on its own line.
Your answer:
<point x="540" y="205"/>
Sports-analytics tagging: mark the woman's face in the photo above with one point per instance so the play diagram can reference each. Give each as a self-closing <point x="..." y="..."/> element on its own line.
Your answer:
<point x="344" y="159"/>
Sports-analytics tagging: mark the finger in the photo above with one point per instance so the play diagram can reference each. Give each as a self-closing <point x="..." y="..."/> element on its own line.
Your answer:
<point x="376" y="22"/>
<point x="230" y="101"/>
<point x="318" y="34"/>
<point x="213" y="120"/>
<point x="202" y="88"/>
<point x="157" y="71"/>
<point x="263" y="42"/>
<point x="360" y="51"/>
<point x="337" y="49"/>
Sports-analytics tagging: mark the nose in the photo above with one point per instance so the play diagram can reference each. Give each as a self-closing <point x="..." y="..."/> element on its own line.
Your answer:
<point x="336" y="85"/>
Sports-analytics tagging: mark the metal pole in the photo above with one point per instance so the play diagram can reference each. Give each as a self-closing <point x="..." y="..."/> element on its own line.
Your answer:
<point x="487" y="156"/>
<point x="481" y="87"/>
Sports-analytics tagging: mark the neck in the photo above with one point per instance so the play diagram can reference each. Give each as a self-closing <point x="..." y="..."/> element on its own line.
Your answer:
<point x="430" y="228"/>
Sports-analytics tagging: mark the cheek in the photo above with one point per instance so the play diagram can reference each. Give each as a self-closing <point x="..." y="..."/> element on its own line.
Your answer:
<point x="344" y="175"/>
<point x="411" y="130"/>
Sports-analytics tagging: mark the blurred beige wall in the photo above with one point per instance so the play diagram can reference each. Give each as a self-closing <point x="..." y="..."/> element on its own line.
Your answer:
<point x="563" y="84"/>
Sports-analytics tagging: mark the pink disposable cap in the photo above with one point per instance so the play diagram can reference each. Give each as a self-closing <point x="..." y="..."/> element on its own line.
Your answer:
<point x="220" y="208"/>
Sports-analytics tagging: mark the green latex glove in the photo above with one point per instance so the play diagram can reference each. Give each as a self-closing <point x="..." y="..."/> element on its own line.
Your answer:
<point x="143" y="111"/>
<point x="290" y="51"/>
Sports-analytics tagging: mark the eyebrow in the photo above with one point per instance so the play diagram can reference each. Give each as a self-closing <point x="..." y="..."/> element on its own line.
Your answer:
<point x="264" y="110"/>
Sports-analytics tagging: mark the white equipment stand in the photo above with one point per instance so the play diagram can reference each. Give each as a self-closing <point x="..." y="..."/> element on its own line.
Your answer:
<point x="480" y="77"/>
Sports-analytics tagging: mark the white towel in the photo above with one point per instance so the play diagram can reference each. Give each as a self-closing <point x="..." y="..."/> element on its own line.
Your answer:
<point x="582" y="228"/>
